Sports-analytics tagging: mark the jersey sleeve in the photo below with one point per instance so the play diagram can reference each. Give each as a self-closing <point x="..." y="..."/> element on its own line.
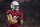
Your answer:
<point x="21" y="15"/>
<point x="8" y="12"/>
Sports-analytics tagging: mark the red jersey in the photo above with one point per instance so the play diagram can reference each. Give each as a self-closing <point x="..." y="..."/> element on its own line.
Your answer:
<point x="18" y="15"/>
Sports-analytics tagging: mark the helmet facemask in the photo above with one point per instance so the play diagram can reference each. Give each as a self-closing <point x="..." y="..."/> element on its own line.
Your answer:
<point x="17" y="7"/>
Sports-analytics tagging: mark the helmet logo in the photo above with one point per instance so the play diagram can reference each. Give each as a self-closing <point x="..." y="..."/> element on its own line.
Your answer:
<point x="11" y="3"/>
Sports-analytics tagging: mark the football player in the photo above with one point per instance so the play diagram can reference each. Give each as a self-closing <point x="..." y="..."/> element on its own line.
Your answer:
<point x="15" y="17"/>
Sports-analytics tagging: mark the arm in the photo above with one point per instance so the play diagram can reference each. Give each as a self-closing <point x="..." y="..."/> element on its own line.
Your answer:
<point x="11" y="20"/>
<point x="21" y="18"/>
<point x="21" y="21"/>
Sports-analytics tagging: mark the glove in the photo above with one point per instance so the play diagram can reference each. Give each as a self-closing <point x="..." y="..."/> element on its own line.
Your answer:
<point x="14" y="22"/>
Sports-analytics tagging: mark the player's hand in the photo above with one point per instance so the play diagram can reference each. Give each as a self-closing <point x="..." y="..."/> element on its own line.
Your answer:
<point x="14" y="21"/>
<point x="21" y="21"/>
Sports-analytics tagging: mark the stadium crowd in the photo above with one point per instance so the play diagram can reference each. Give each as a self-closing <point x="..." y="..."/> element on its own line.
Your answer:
<point x="31" y="9"/>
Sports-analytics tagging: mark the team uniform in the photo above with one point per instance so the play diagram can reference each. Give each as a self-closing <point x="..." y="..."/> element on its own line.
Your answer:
<point x="18" y="15"/>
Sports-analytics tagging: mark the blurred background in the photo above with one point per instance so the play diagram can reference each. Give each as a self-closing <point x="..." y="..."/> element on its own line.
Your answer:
<point x="30" y="8"/>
